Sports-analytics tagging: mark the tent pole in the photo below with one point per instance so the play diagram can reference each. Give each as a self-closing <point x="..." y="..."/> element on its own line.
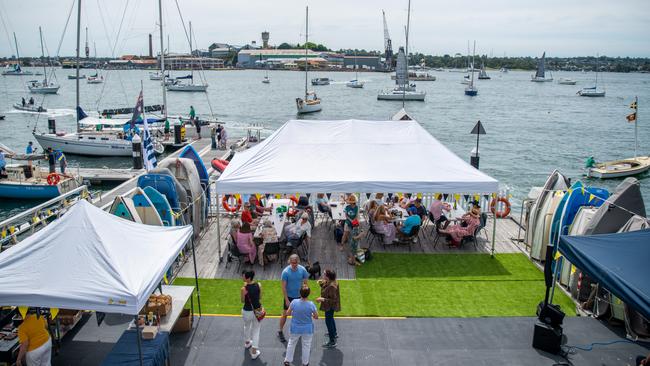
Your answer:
<point x="196" y="278"/>
<point x="494" y="232"/>
<point x="218" y="224"/>
<point x="138" y="335"/>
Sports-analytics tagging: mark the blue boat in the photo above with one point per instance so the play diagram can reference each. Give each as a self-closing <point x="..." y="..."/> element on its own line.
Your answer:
<point x="190" y="153"/>
<point x="163" y="181"/>
<point x="161" y="204"/>
<point x="25" y="182"/>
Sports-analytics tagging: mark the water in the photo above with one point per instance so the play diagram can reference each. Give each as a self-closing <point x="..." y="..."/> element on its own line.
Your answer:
<point x="532" y="128"/>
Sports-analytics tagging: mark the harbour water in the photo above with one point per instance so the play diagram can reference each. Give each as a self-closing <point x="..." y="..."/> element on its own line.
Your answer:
<point x="532" y="128"/>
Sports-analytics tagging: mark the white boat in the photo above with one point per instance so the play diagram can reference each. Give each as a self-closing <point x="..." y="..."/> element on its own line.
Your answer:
<point x="156" y="75"/>
<point x="418" y="76"/>
<point x="403" y="90"/>
<point x="181" y="86"/>
<point x="540" y="75"/>
<point x="504" y="70"/>
<point x="29" y="107"/>
<point x="320" y="81"/>
<point x="310" y="103"/>
<point x="465" y="80"/>
<point x="356" y="83"/>
<point x="483" y="75"/>
<point x="266" y="80"/>
<point x="471" y="89"/>
<point x="95" y="79"/>
<point x="593" y="91"/>
<point x="397" y="94"/>
<point x="566" y="81"/>
<point x="45" y="86"/>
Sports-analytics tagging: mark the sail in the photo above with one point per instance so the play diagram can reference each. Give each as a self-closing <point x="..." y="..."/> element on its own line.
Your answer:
<point x="540" y="67"/>
<point x="401" y="69"/>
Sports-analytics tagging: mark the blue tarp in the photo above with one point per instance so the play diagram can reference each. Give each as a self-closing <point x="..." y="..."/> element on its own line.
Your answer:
<point x="125" y="351"/>
<point x="620" y="262"/>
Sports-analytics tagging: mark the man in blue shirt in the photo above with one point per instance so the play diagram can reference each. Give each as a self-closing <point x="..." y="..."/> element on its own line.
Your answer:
<point x="412" y="221"/>
<point x="30" y="148"/>
<point x="294" y="277"/>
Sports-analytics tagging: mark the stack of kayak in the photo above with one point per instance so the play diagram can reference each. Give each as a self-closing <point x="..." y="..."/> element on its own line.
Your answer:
<point x="577" y="209"/>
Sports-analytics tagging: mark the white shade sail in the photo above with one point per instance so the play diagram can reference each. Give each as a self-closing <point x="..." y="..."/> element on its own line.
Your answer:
<point x="352" y="156"/>
<point x="89" y="259"/>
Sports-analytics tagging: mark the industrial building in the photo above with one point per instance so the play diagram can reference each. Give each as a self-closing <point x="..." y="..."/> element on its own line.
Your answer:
<point x="363" y="62"/>
<point x="259" y="57"/>
<point x="189" y="62"/>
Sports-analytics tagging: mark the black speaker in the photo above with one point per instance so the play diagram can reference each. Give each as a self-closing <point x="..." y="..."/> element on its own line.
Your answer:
<point x="550" y="314"/>
<point x="548" y="265"/>
<point x="547" y="338"/>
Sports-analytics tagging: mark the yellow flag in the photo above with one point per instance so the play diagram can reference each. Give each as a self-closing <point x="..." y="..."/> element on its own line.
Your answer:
<point x="591" y="197"/>
<point x="569" y="191"/>
<point x="54" y="312"/>
<point x="456" y="197"/>
<point x="23" y="311"/>
<point x="238" y="196"/>
<point x="399" y="195"/>
<point x="277" y="195"/>
<point x="573" y="269"/>
<point x="165" y="279"/>
<point x="419" y="195"/>
<point x="582" y="189"/>
<point x="557" y="255"/>
<point x="494" y="195"/>
<point x="477" y="198"/>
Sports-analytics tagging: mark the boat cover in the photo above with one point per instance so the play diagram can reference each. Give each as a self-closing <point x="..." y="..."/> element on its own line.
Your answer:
<point x="90" y="260"/>
<point x="619" y="262"/>
<point x="351" y="156"/>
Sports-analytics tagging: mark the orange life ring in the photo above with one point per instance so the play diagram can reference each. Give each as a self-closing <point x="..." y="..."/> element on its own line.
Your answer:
<point x="226" y="206"/>
<point x="53" y="179"/>
<point x="294" y="199"/>
<point x="502" y="213"/>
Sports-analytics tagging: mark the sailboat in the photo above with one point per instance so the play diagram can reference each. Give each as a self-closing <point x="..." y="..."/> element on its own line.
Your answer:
<point x="592" y="91"/>
<point x="483" y="75"/>
<point x="311" y="102"/>
<point x="355" y="83"/>
<point x="45" y="86"/>
<point x="15" y="69"/>
<point x="540" y="75"/>
<point x="403" y="91"/>
<point x="86" y="142"/>
<point x="95" y="79"/>
<point x="266" y="79"/>
<point x="179" y="85"/>
<point x="624" y="167"/>
<point x="471" y="90"/>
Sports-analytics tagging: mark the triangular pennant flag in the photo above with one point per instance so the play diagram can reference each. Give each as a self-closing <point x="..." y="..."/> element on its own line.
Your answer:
<point x="573" y="269"/>
<point x="444" y="196"/>
<point x="297" y="194"/>
<point x="486" y="196"/>
<point x="631" y="117"/>
<point x="329" y="195"/>
<point x="165" y="279"/>
<point x="54" y="312"/>
<point x="399" y="195"/>
<point x="477" y="198"/>
<point x="267" y="195"/>
<point x="277" y="195"/>
<point x="494" y="195"/>
<point x="558" y="255"/>
<point x="308" y="195"/>
<point x="368" y="196"/>
<point x="390" y="195"/>
<point x="23" y="311"/>
<point x="466" y="197"/>
<point x="237" y="196"/>
<point x="456" y="197"/>
<point x="591" y="197"/>
<point x="419" y="195"/>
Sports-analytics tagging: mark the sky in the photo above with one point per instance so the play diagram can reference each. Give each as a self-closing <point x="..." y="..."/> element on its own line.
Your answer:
<point x="562" y="28"/>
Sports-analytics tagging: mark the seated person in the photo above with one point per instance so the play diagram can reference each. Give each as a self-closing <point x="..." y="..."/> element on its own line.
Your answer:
<point x="323" y="204"/>
<point x="269" y="235"/>
<point x="235" y="225"/>
<point x="437" y="210"/>
<point x="382" y="224"/>
<point x="247" y="216"/>
<point x="296" y="230"/>
<point x="245" y="244"/>
<point x="468" y="224"/>
<point x="421" y="211"/>
<point x="379" y="198"/>
<point x="256" y="206"/>
<point x="405" y="201"/>
<point x="371" y="208"/>
<point x="412" y="221"/>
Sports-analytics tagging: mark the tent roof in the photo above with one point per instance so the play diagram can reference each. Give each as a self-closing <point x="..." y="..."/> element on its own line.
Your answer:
<point x="351" y="156"/>
<point x="89" y="259"/>
<point x="618" y="261"/>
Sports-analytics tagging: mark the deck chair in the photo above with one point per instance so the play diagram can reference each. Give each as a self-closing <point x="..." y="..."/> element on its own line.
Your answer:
<point x="411" y="238"/>
<point x="272" y="248"/>
<point x="234" y="253"/>
<point x="477" y="231"/>
<point x="373" y="234"/>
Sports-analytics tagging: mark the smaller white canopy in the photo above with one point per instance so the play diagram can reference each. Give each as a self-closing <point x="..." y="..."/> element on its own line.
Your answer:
<point x="89" y="259"/>
<point x="352" y="156"/>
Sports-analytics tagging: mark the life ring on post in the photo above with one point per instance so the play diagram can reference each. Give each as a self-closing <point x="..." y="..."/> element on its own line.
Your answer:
<point x="501" y="213"/>
<point x="53" y="179"/>
<point x="226" y="206"/>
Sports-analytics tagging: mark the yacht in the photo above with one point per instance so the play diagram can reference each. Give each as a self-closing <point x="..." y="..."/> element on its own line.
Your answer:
<point x="320" y="81"/>
<point x="310" y="103"/>
<point x="540" y="74"/>
<point x="45" y="86"/>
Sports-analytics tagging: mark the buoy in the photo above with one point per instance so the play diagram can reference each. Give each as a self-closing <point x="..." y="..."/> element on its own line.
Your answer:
<point x="500" y="213"/>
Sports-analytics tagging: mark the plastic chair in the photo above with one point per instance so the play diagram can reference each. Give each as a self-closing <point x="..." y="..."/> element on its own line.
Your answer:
<point x="234" y="253"/>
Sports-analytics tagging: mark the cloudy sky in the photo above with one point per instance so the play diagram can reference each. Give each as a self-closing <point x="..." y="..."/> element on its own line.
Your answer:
<point x="510" y="27"/>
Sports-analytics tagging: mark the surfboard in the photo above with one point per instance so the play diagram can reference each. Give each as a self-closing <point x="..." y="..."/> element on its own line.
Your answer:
<point x="161" y="204"/>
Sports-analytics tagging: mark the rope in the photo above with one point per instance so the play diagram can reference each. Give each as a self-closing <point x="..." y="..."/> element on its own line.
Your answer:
<point x="573" y="349"/>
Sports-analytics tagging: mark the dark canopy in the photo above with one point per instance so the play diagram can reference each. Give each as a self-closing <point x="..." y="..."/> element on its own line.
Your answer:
<point x="620" y="262"/>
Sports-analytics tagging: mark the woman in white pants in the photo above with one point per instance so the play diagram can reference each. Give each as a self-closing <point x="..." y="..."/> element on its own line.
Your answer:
<point x="251" y="295"/>
<point x="35" y="342"/>
<point x="303" y="312"/>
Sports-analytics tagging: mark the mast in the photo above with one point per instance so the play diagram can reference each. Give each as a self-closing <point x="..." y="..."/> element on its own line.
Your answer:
<point x="191" y="53"/>
<point x="40" y="32"/>
<point x="636" y="122"/>
<point x="306" y="41"/>
<point x="406" y="79"/>
<point x="162" y="59"/>
<point x="471" y="82"/>
<point x="356" y="71"/>
<point x="77" y="61"/>
<point x="87" y="49"/>
<point x="17" y="52"/>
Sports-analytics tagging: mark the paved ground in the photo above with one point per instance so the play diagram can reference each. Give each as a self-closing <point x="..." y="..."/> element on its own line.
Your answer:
<point x="430" y="341"/>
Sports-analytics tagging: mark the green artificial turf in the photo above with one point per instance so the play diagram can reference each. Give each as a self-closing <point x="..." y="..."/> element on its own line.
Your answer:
<point x="414" y="285"/>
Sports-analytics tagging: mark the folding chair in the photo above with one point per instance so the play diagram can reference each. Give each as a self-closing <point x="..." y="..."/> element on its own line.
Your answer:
<point x="272" y="248"/>
<point x="234" y="253"/>
<point x="411" y="238"/>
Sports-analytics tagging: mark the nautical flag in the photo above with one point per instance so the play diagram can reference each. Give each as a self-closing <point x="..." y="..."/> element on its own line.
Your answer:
<point x="631" y="117"/>
<point x="148" y="154"/>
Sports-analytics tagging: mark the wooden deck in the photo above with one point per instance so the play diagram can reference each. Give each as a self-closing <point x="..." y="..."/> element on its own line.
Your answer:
<point x="323" y="249"/>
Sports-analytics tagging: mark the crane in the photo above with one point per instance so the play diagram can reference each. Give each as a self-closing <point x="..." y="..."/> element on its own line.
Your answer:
<point x="388" y="46"/>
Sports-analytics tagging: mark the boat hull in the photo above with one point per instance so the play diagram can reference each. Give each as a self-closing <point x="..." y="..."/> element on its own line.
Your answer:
<point x="29" y="109"/>
<point x="540" y="80"/>
<point x="419" y="97"/>
<point x="28" y="191"/>
<point x="187" y="88"/>
<point x="638" y="166"/>
<point x="44" y="90"/>
<point x="304" y="108"/>
<point x="72" y="145"/>
<point x="591" y="94"/>
<point x="471" y="93"/>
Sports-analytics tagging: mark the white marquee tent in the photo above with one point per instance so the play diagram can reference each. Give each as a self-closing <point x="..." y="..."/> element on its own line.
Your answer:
<point x="90" y="260"/>
<point x="352" y="156"/>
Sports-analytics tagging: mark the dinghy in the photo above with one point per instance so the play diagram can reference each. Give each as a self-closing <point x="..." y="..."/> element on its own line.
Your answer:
<point x="162" y="206"/>
<point x="187" y="175"/>
<point x="123" y="207"/>
<point x="144" y="207"/>
<point x="163" y="181"/>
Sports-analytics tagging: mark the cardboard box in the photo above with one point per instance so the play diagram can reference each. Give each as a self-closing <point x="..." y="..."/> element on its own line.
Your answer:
<point x="149" y="332"/>
<point x="184" y="322"/>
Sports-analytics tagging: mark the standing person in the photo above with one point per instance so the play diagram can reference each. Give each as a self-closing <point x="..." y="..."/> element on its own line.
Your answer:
<point x="294" y="277"/>
<point x="60" y="157"/>
<point x="353" y="242"/>
<point x="192" y="114"/>
<point x="251" y="297"/>
<point x="167" y="129"/>
<point x="35" y="342"/>
<point x="31" y="100"/>
<point x="303" y="312"/>
<point x="219" y="129"/>
<point x="30" y="150"/>
<point x="197" y="124"/>
<point x="351" y="213"/>
<point x="330" y="302"/>
<point x="51" y="160"/>
<point x="224" y="138"/>
<point x="3" y="162"/>
<point x="23" y="101"/>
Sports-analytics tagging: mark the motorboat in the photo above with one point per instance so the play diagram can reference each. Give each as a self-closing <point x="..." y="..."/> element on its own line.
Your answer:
<point x="465" y="80"/>
<point x="156" y="75"/>
<point x="540" y="74"/>
<point x="266" y="80"/>
<point x="320" y="81"/>
<point x="354" y="84"/>
<point x="620" y="168"/>
<point x="504" y="70"/>
<point x="74" y="77"/>
<point x="310" y="103"/>
<point x="95" y="79"/>
<point x="29" y="107"/>
<point x="566" y="81"/>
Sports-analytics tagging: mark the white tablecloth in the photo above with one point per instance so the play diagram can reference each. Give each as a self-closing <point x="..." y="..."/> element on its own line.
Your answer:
<point x="338" y="210"/>
<point x="278" y="219"/>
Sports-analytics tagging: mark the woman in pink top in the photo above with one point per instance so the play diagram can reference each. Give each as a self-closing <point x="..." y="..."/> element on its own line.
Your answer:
<point x="469" y="222"/>
<point x="245" y="242"/>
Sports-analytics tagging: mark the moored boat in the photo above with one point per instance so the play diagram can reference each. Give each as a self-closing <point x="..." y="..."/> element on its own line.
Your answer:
<point x="540" y="74"/>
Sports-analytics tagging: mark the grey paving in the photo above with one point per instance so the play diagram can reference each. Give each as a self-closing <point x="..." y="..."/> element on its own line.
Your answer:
<point x="414" y="341"/>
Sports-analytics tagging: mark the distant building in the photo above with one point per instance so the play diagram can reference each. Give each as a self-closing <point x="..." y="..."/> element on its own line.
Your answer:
<point x="363" y="62"/>
<point x="265" y="40"/>
<point x="259" y="57"/>
<point x="188" y="62"/>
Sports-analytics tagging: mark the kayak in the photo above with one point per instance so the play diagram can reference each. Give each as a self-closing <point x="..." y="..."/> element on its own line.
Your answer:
<point x="219" y="164"/>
